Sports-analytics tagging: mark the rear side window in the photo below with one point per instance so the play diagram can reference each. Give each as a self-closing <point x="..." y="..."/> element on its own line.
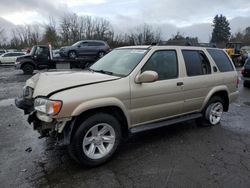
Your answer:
<point x="221" y="60"/>
<point x="12" y="54"/>
<point x="196" y="63"/>
<point x="96" y="44"/>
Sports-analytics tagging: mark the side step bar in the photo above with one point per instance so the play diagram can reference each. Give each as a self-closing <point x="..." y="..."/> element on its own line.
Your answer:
<point x="164" y="123"/>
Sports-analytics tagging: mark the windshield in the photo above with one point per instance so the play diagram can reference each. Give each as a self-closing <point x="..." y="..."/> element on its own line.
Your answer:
<point x="119" y="62"/>
<point x="77" y="43"/>
<point x="33" y="50"/>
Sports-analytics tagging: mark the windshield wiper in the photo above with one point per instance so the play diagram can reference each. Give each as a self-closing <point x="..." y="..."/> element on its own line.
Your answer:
<point x="103" y="72"/>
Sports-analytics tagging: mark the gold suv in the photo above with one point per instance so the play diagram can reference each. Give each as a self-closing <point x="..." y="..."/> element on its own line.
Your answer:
<point x="129" y="90"/>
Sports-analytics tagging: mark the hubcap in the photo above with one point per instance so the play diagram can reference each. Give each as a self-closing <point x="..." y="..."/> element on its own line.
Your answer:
<point x="72" y="54"/>
<point x="101" y="54"/>
<point x="98" y="141"/>
<point x="215" y="112"/>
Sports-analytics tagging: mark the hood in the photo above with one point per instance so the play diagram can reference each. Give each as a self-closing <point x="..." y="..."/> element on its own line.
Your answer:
<point x="65" y="47"/>
<point x="24" y="56"/>
<point x="45" y="84"/>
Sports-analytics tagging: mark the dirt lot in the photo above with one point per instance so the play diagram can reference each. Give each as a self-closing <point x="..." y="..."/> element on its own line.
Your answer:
<point x="182" y="155"/>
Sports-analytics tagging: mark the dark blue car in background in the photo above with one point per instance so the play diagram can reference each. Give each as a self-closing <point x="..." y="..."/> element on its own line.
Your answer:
<point x="86" y="48"/>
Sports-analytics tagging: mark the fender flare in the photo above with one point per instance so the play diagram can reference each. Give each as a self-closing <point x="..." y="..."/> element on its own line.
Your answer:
<point x="28" y="62"/>
<point x="216" y="89"/>
<point x="101" y="103"/>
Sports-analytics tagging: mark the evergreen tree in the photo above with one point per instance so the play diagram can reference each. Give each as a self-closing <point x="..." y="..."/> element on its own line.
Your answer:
<point x="221" y="32"/>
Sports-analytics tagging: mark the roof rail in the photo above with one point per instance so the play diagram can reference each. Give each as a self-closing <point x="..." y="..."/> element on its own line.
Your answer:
<point x="182" y="43"/>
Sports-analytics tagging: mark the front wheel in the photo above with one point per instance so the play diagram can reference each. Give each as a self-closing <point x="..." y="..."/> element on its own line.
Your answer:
<point x="72" y="55"/>
<point x="96" y="140"/>
<point x="212" y="113"/>
<point x="28" y="69"/>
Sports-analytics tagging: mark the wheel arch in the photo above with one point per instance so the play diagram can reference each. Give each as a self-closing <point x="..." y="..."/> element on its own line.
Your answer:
<point x="84" y="111"/>
<point x="220" y="91"/>
<point x="28" y="62"/>
<point x="72" y="50"/>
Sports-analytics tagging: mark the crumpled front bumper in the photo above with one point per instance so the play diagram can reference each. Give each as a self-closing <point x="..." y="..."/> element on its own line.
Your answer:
<point x="27" y="105"/>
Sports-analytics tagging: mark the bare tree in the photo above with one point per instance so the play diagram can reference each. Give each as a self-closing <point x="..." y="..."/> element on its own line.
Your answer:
<point x="26" y="36"/>
<point x="3" y="38"/>
<point x="65" y="30"/>
<point x="144" y="34"/>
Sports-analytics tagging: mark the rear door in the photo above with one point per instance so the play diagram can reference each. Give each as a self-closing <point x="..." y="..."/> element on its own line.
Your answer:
<point x="93" y="48"/>
<point x="198" y="80"/>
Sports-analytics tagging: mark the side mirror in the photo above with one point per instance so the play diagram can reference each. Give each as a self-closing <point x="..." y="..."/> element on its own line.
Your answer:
<point x="79" y="46"/>
<point x="147" y="77"/>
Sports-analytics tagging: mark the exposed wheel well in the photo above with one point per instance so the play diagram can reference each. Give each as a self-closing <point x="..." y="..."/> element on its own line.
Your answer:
<point x="224" y="97"/>
<point x="113" y="110"/>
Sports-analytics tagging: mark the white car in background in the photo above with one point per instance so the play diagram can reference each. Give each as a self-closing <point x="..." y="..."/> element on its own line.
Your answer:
<point x="10" y="57"/>
<point x="2" y="51"/>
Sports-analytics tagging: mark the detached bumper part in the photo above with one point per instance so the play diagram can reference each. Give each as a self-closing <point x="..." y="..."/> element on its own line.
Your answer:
<point x="24" y="104"/>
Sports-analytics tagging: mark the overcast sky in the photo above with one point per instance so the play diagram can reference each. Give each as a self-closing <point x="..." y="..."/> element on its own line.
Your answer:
<point x="192" y="17"/>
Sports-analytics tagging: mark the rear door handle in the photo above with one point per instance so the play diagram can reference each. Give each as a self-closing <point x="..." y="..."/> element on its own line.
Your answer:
<point x="180" y="84"/>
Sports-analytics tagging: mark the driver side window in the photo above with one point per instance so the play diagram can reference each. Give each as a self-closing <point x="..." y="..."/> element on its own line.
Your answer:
<point x="164" y="63"/>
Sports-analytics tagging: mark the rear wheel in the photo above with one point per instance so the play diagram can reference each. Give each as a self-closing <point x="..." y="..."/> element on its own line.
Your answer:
<point x="96" y="139"/>
<point x="28" y="69"/>
<point x="212" y="113"/>
<point x="101" y="54"/>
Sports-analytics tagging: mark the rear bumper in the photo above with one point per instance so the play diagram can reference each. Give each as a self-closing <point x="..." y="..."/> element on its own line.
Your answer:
<point x="233" y="96"/>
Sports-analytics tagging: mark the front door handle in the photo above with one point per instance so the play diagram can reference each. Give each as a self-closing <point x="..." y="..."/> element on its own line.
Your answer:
<point x="180" y="84"/>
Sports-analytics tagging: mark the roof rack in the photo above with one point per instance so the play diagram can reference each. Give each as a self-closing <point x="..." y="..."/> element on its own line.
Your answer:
<point x="182" y="43"/>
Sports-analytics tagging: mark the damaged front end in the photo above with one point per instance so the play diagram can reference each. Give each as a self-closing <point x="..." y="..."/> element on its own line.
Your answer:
<point x="41" y="111"/>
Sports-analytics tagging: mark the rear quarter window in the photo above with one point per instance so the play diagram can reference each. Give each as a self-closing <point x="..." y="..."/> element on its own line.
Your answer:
<point x="221" y="60"/>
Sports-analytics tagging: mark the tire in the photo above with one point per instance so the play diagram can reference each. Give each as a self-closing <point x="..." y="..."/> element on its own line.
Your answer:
<point x="212" y="113"/>
<point x="96" y="140"/>
<point x="72" y="55"/>
<point x="246" y="84"/>
<point x="100" y="54"/>
<point x="28" y="69"/>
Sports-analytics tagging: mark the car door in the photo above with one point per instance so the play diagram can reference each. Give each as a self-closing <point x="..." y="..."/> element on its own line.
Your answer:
<point x="198" y="80"/>
<point x="12" y="57"/>
<point x="92" y="48"/>
<point x="6" y="58"/>
<point x="42" y="56"/>
<point x="83" y="49"/>
<point x="161" y="99"/>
